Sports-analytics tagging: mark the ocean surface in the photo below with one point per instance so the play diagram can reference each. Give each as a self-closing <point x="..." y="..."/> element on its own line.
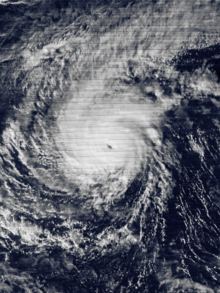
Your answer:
<point x="110" y="146"/>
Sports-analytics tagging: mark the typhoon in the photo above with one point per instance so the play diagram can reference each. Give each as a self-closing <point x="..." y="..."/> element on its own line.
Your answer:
<point x="109" y="146"/>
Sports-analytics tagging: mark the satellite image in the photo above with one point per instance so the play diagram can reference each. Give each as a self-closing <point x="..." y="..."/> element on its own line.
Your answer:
<point x="110" y="146"/>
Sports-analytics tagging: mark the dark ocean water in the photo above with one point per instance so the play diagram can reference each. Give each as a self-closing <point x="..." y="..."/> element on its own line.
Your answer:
<point x="109" y="146"/>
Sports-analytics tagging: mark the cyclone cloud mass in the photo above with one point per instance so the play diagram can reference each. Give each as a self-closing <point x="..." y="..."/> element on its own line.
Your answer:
<point x="109" y="146"/>
<point x="102" y="132"/>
